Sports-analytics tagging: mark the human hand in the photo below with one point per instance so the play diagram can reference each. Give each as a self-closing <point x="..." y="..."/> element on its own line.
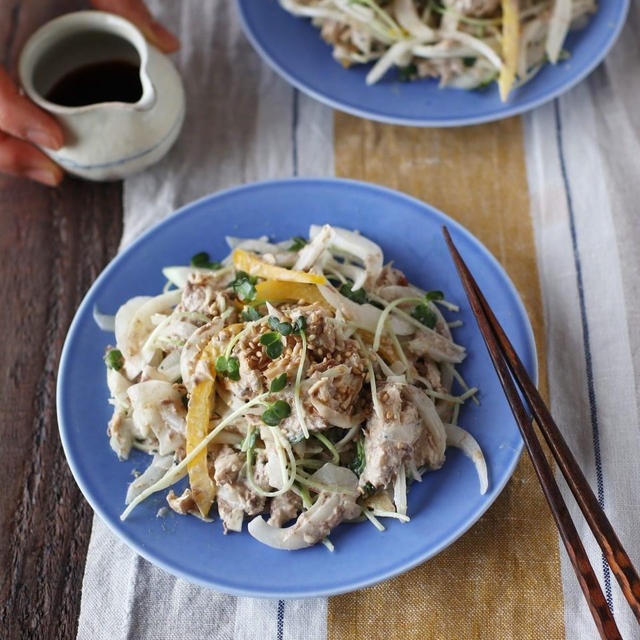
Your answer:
<point x="136" y="11"/>
<point x="23" y="124"/>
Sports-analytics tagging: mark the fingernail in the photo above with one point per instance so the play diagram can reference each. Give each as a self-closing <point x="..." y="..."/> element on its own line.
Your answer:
<point x="43" y="139"/>
<point x="46" y="176"/>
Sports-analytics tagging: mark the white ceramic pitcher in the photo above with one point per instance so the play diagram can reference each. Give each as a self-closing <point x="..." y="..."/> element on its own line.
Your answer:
<point x="107" y="140"/>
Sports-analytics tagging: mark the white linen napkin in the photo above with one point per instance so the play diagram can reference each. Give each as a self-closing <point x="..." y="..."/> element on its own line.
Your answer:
<point x="243" y="123"/>
<point x="583" y="160"/>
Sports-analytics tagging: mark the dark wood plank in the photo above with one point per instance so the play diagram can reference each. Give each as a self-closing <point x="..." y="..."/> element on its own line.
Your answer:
<point x="53" y="244"/>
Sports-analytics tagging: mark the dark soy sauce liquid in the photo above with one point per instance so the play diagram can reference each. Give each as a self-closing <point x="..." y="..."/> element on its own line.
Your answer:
<point x="114" y="81"/>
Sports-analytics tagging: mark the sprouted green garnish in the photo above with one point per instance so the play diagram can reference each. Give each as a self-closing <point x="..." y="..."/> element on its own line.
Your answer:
<point x="229" y="367"/>
<point x="276" y="412"/>
<point x="330" y="446"/>
<point x="244" y="286"/>
<point x="299" y="326"/>
<point x="279" y="383"/>
<point x="283" y="328"/>
<point x="272" y="343"/>
<point x="250" y="314"/>
<point x="250" y="440"/>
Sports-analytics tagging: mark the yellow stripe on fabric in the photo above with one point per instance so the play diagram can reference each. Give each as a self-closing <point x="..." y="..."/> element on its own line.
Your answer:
<point x="501" y="580"/>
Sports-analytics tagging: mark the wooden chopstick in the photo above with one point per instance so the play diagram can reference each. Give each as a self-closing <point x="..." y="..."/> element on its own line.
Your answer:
<point x="614" y="552"/>
<point x="584" y="571"/>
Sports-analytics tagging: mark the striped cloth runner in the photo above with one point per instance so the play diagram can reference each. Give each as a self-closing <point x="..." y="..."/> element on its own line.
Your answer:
<point x="555" y="197"/>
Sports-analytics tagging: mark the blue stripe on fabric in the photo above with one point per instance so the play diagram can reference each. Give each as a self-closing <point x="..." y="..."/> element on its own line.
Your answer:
<point x="595" y="429"/>
<point x="294" y="132"/>
<point x="280" y="623"/>
<point x="71" y="164"/>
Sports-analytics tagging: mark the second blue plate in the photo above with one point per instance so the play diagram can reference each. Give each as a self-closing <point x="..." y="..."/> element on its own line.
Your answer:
<point x="293" y="47"/>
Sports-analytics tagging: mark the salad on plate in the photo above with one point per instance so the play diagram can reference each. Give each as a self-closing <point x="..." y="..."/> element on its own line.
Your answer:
<point x="304" y="381"/>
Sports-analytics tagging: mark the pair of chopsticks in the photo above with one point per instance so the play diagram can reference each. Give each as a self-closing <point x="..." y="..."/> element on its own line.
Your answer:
<point x="509" y="367"/>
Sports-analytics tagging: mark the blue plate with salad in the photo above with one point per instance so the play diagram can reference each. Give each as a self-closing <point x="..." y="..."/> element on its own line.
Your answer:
<point x="280" y="392"/>
<point x="434" y="63"/>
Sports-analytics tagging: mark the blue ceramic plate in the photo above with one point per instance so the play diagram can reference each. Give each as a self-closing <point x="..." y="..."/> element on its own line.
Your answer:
<point x="293" y="47"/>
<point x="442" y="507"/>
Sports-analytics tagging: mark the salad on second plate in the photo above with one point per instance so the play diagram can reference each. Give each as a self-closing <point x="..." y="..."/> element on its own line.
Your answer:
<point x="303" y="380"/>
<point x="465" y="43"/>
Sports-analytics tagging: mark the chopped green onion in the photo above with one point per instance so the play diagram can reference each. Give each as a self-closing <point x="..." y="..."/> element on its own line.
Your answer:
<point x="114" y="359"/>
<point x="359" y="296"/>
<point x="408" y="73"/>
<point x="359" y="461"/>
<point x="368" y="489"/>
<point x="423" y="314"/>
<point x="297" y="242"/>
<point x="201" y="260"/>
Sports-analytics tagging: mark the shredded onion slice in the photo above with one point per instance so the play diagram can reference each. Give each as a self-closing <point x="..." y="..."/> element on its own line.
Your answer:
<point x="458" y="437"/>
<point x="558" y="27"/>
<point x="158" y="467"/>
<point x="104" y="321"/>
<point x="400" y="491"/>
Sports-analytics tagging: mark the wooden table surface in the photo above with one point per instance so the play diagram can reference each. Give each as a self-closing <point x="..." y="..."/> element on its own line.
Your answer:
<point x="54" y="242"/>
